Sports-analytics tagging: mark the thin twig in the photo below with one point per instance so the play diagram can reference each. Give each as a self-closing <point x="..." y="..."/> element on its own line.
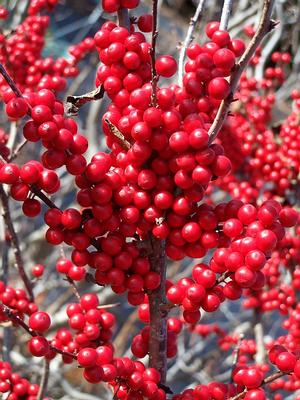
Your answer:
<point x="44" y="380"/>
<point x="73" y="287"/>
<point x="9" y="80"/>
<point x="158" y="316"/>
<point x="17" y="320"/>
<point x="188" y="39"/>
<point x="106" y="306"/>
<point x="265" y="26"/>
<point x="267" y="380"/>
<point x="123" y="17"/>
<point x="15" y="242"/>
<point x="260" y="356"/>
<point x="226" y="11"/>
<point x="236" y="354"/>
<point x="154" y="77"/>
<point x="115" y="131"/>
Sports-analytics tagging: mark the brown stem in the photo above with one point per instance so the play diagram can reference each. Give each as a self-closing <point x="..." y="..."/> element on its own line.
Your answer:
<point x="74" y="288"/>
<point x="17" y="150"/>
<point x="115" y="131"/>
<point x="258" y="329"/>
<point x="15" y="242"/>
<point x="17" y="320"/>
<point x="44" y="380"/>
<point x="158" y="315"/>
<point x="236" y="354"/>
<point x="265" y="26"/>
<point x="123" y="17"/>
<point x="267" y="380"/>
<point x="10" y="81"/>
<point x="152" y="53"/>
<point x="12" y="85"/>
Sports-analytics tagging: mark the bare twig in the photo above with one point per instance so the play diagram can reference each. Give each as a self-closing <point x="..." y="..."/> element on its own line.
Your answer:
<point x="260" y="356"/>
<point x="123" y="17"/>
<point x="115" y="131"/>
<point x="267" y="380"/>
<point x="271" y="43"/>
<point x="15" y="242"/>
<point x="106" y="306"/>
<point x="17" y="320"/>
<point x="265" y="26"/>
<point x="73" y="287"/>
<point x="9" y="80"/>
<point x="226" y="11"/>
<point x="236" y="353"/>
<point x="44" y="380"/>
<point x="158" y="316"/>
<point x="188" y="39"/>
<point x="152" y="53"/>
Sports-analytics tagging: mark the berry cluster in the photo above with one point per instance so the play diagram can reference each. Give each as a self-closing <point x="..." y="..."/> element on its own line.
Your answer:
<point x="15" y="386"/>
<point x="17" y="300"/>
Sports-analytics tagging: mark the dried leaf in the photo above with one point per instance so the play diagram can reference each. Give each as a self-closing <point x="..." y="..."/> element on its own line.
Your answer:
<point x="73" y="103"/>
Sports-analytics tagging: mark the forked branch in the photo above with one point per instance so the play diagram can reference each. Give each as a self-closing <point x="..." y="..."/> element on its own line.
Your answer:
<point x="265" y="26"/>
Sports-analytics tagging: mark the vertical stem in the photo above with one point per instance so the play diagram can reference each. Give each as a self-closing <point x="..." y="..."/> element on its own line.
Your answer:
<point x="188" y="39"/>
<point x="123" y="17"/>
<point x="15" y="242"/>
<point x="158" y="315"/>
<point x="7" y="335"/>
<point x="152" y="52"/>
<point x="226" y="11"/>
<point x="258" y="328"/>
<point x="44" y="380"/>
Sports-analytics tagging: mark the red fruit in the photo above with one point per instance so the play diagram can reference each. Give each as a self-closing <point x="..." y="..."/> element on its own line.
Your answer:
<point x="286" y="361"/>
<point x="87" y="357"/>
<point x="38" y="346"/>
<point x="166" y="66"/>
<point x="145" y="22"/>
<point x="288" y="217"/>
<point x="252" y="378"/>
<point x="37" y="270"/>
<point x="16" y="108"/>
<point x="39" y="321"/>
<point x="218" y="88"/>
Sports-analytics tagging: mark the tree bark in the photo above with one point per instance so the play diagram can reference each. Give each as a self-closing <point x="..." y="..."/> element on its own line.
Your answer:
<point x="158" y="315"/>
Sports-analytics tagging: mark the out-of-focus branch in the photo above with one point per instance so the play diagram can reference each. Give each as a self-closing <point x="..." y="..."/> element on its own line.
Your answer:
<point x="226" y="11"/>
<point x="123" y="17"/>
<point x="237" y="352"/>
<point x="272" y="43"/>
<point x="188" y="39"/>
<point x="260" y="356"/>
<point x="17" y="150"/>
<point x="74" y="288"/>
<point x="15" y="242"/>
<point x="265" y="26"/>
<point x="44" y="380"/>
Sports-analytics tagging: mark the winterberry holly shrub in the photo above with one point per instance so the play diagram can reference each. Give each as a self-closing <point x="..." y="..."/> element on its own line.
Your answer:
<point x="193" y="173"/>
